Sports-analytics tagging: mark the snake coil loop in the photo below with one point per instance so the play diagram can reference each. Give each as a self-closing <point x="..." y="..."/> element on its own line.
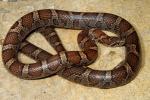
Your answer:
<point x="72" y="65"/>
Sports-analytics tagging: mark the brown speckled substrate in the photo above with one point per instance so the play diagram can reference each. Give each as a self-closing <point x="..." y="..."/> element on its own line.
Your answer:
<point x="137" y="12"/>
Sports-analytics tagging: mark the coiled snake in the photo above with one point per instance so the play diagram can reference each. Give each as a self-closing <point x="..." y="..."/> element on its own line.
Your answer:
<point x="72" y="65"/>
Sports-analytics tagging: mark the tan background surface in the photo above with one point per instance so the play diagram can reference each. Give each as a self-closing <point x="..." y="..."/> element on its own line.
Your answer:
<point x="137" y="12"/>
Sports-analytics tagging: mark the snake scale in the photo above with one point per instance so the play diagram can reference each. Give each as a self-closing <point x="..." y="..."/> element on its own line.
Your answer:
<point x="72" y="65"/>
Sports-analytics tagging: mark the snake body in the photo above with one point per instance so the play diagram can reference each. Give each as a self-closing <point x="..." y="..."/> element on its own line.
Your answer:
<point x="72" y="65"/>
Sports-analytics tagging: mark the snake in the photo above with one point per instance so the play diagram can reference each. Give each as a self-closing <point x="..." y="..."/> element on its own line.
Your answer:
<point x="73" y="65"/>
